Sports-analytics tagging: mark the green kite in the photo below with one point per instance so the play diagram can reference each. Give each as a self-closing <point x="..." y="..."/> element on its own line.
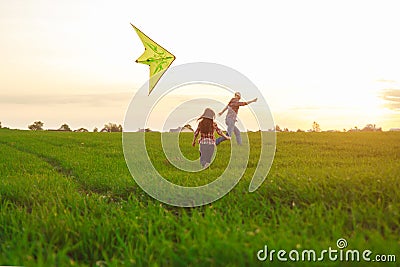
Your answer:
<point x="154" y="55"/>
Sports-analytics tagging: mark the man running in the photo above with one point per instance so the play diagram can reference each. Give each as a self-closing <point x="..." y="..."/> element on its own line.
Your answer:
<point x="230" y="120"/>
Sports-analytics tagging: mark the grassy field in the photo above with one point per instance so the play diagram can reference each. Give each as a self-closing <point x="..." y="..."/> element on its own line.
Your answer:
<point x="69" y="199"/>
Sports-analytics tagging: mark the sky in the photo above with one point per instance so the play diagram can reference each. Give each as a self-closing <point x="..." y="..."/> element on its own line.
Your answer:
<point x="333" y="62"/>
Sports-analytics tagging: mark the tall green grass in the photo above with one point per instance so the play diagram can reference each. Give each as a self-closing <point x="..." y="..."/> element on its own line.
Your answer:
<point x="69" y="199"/>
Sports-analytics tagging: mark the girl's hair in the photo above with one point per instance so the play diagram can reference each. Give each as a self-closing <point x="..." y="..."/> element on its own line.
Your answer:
<point x="206" y="125"/>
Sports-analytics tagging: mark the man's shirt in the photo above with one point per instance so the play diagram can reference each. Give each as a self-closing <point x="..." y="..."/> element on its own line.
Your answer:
<point x="233" y="108"/>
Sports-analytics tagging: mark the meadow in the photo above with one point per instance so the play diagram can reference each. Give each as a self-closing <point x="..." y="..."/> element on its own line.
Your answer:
<point x="68" y="199"/>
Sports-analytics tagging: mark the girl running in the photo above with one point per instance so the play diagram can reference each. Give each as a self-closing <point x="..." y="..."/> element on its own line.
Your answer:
<point x="206" y="128"/>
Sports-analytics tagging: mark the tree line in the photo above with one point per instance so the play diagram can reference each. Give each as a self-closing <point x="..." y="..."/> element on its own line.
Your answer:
<point x="109" y="127"/>
<point x="113" y="127"/>
<point x="315" y="127"/>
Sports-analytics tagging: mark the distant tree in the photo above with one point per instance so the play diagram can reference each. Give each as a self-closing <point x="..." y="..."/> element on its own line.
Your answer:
<point x="371" y="128"/>
<point x="368" y="128"/>
<point x="0" y="124"/>
<point x="299" y="131"/>
<point x="188" y="126"/>
<point x="286" y="130"/>
<point x="355" y="129"/>
<point x="95" y="130"/>
<point x="112" y="127"/>
<point x="315" y="127"/>
<point x="147" y="130"/>
<point x="278" y="129"/>
<point x="36" y="126"/>
<point x="81" y="130"/>
<point x="65" y="128"/>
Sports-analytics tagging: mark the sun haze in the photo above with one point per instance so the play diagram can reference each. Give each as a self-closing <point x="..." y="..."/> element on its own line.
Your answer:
<point x="74" y="62"/>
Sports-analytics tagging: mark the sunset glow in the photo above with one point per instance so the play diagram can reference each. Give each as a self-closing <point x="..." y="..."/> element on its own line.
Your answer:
<point x="72" y="62"/>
